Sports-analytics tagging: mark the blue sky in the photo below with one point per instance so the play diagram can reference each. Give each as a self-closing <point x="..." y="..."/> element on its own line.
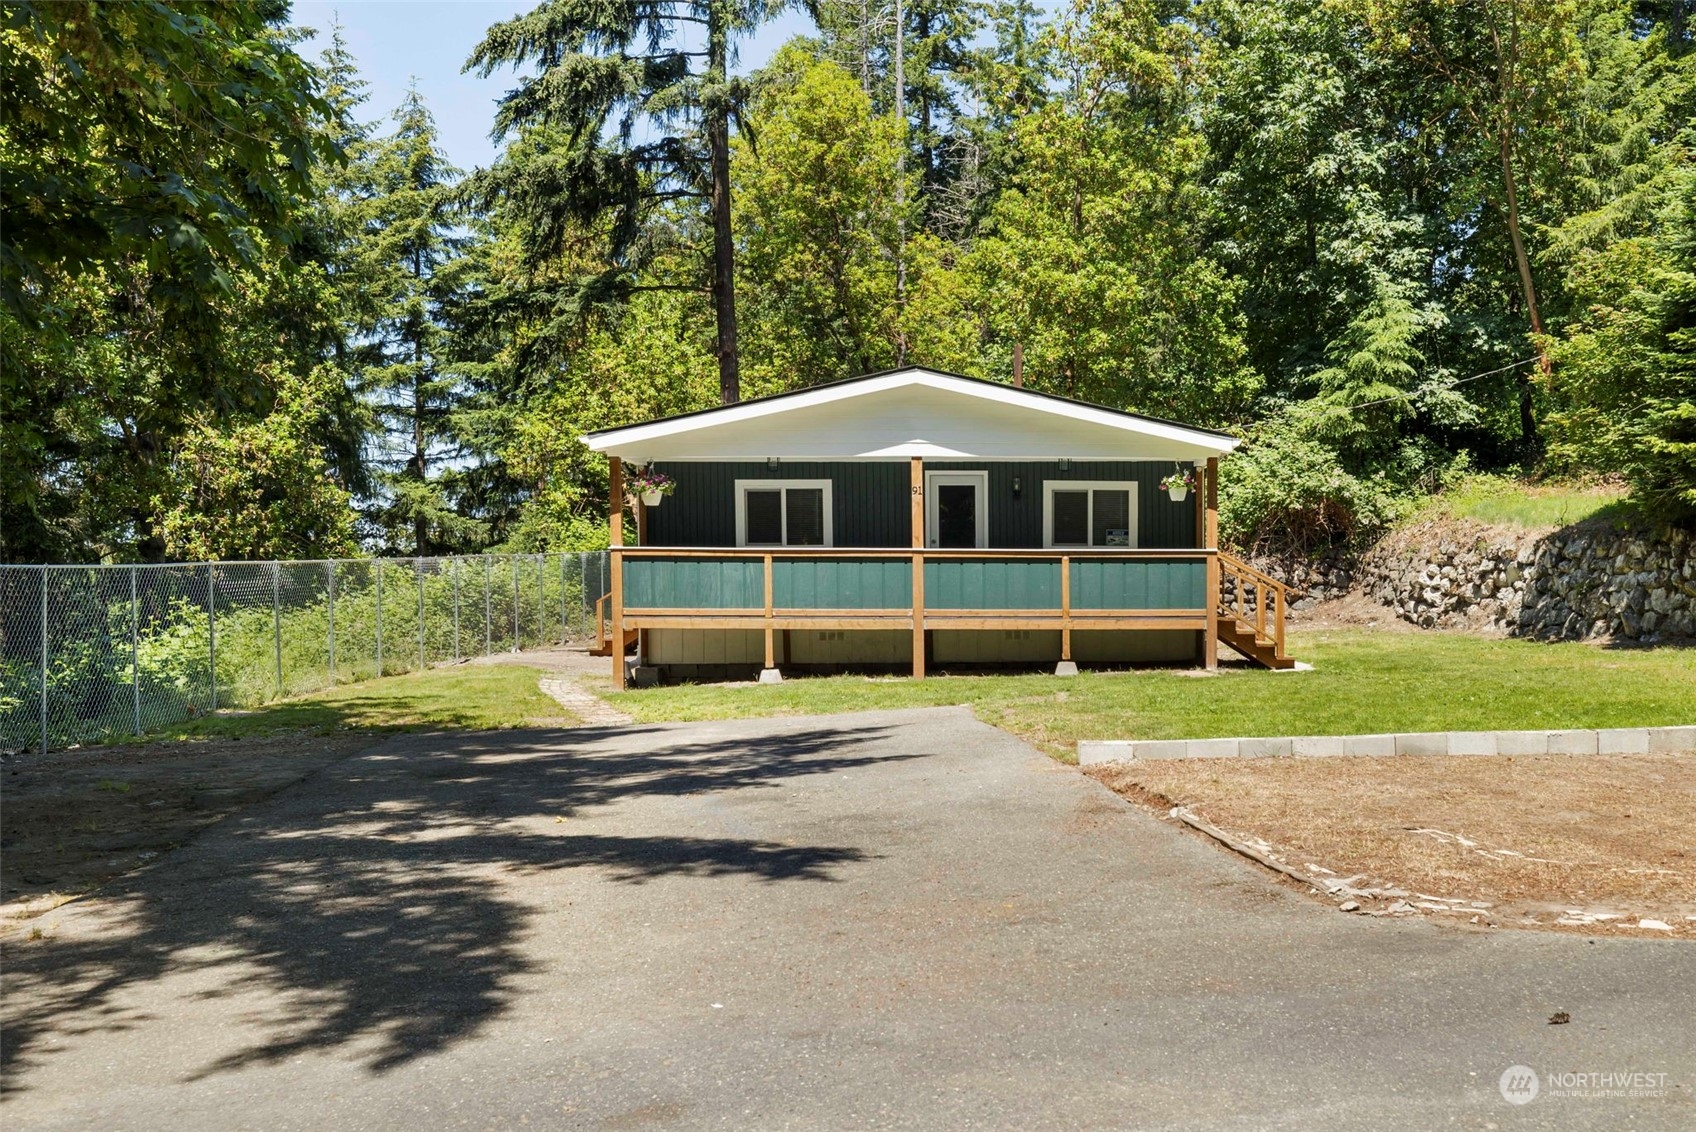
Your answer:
<point x="398" y="41"/>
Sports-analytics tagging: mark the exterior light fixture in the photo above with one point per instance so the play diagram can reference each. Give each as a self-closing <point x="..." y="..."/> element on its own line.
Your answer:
<point x="1017" y="487"/>
<point x="1065" y="464"/>
<point x="771" y="463"/>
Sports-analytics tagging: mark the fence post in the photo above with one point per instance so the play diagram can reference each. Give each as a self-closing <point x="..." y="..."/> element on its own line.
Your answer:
<point x="420" y="565"/>
<point x="564" y="626"/>
<point x="517" y="624"/>
<point x="541" y="600"/>
<point x="277" y="620"/>
<point x="379" y="616"/>
<point x="212" y="628"/>
<point x="488" y="613"/>
<point x="135" y="651"/>
<point x="44" y="660"/>
<point x="456" y="609"/>
<point x="330" y="573"/>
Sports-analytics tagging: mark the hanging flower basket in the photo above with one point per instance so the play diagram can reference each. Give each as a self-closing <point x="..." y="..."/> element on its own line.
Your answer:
<point x="651" y="487"/>
<point x="1178" y="484"/>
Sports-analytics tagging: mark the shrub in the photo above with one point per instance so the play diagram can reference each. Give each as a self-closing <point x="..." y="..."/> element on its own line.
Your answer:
<point x="1285" y="493"/>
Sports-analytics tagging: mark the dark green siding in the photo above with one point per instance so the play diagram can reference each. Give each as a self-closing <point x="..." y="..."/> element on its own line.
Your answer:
<point x="986" y="584"/>
<point x="1137" y="584"/>
<point x="869" y="501"/>
<point x="867" y="583"/>
<point x="872" y="508"/>
<point x="694" y="583"/>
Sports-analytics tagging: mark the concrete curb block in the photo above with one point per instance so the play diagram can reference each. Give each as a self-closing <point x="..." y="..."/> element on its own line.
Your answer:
<point x="1609" y="741"/>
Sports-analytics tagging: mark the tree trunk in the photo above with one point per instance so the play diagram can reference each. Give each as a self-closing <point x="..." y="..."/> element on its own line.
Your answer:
<point x="1506" y="56"/>
<point x="900" y="182"/>
<point x="420" y="440"/>
<point x="1528" y="437"/>
<point x="927" y="152"/>
<point x="724" y="255"/>
<point x="1520" y="258"/>
<point x="420" y="525"/>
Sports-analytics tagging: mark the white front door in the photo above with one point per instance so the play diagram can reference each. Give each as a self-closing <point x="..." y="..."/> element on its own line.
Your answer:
<point x="955" y="515"/>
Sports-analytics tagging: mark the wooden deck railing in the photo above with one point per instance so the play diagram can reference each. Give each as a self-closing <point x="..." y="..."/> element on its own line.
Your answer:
<point x="907" y="589"/>
<point x="1255" y="601"/>
<point x="1246" y="610"/>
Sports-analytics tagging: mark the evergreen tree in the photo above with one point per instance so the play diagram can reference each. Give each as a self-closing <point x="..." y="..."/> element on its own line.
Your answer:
<point x="411" y="257"/>
<point x="643" y="99"/>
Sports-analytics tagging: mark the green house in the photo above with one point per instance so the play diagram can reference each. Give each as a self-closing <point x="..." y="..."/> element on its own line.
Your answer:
<point x="916" y="519"/>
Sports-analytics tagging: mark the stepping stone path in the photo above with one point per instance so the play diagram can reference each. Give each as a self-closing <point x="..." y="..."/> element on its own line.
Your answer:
<point x="589" y="708"/>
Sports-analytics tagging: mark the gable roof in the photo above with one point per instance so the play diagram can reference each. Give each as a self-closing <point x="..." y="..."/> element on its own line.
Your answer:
<point x="910" y="412"/>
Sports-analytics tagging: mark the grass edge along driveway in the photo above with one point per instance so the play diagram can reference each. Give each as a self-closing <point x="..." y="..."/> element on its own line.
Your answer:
<point x="1363" y="682"/>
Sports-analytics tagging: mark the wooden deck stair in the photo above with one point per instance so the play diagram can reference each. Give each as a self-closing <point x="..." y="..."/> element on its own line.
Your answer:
<point x="1250" y="613"/>
<point x="603" y="630"/>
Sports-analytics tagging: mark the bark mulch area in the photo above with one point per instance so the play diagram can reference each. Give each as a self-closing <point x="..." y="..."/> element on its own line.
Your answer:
<point x="1596" y="844"/>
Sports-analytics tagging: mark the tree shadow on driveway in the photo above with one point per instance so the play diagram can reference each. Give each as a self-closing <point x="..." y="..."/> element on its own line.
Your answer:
<point x="370" y="907"/>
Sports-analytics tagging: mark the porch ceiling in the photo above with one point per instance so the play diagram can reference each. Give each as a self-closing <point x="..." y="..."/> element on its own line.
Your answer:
<point x="911" y="413"/>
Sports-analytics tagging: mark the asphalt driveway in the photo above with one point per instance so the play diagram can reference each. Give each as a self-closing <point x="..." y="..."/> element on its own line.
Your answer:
<point x="882" y="920"/>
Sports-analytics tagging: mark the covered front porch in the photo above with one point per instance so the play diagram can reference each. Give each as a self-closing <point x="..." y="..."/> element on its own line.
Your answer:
<point x="924" y="519"/>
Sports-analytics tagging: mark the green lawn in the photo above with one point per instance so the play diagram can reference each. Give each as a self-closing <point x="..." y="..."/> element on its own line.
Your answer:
<point x="469" y="698"/>
<point x="1363" y="682"/>
<point x="1513" y="503"/>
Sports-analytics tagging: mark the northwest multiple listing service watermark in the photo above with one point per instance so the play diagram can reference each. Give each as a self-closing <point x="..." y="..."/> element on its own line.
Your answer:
<point x="1521" y="1084"/>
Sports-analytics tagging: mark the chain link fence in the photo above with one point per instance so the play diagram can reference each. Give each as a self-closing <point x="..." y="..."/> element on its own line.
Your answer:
<point x="97" y="652"/>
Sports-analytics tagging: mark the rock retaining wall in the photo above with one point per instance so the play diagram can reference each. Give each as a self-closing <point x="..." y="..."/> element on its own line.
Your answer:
<point x="1311" y="580"/>
<point x="1579" y="582"/>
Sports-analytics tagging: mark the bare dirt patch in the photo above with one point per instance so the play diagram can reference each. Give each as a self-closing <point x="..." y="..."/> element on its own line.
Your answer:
<point x="75" y="819"/>
<point x="1551" y="841"/>
<point x="1354" y="610"/>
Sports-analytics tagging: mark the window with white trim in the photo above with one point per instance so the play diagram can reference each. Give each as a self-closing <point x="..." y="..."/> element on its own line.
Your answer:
<point x="783" y="513"/>
<point x="1089" y="513"/>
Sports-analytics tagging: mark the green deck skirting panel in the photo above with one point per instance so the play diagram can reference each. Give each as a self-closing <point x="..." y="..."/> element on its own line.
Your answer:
<point x="873" y="583"/>
<point x="694" y="583"/>
<point x="1106" y="584"/>
<point x="988" y="584"/>
<point x="866" y="583"/>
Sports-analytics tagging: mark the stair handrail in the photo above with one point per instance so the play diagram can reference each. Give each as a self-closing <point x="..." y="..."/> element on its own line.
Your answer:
<point x="1269" y="591"/>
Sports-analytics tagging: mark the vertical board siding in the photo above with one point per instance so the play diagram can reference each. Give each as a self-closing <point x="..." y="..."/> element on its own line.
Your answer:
<point x="869" y="501"/>
<point x="872" y="500"/>
<point x="1017" y="522"/>
<point x="987" y="584"/>
<point x="694" y="583"/>
<point x="1134" y="584"/>
<point x="866" y="583"/>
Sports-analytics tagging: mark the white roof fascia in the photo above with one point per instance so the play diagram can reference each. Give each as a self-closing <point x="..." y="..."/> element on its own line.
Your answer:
<point x="636" y="435"/>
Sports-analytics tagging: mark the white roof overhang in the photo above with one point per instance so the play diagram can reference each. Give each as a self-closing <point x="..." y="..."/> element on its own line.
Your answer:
<point x="911" y="412"/>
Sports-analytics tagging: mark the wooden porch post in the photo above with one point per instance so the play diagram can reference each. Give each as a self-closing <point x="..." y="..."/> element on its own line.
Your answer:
<point x="1210" y="540"/>
<point x="615" y="544"/>
<point x="615" y="501"/>
<point x="1199" y="497"/>
<point x="918" y="530"/>
<point x="641" y="510"/>
<point x="1065" y="607"/>
<point x="771" y="651"/>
